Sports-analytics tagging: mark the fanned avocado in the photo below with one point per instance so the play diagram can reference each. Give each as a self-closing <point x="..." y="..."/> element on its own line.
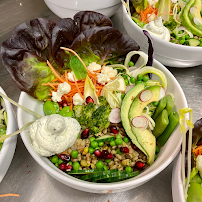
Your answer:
<point x="127" y="101"/>
<point x="191" y="17"/>
<point x="145" y="139"/>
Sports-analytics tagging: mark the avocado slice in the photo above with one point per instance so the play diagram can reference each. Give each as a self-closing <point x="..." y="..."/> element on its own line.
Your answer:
<point x="146" y="139"/>
<point x="187" y="17"/>
<point x="127" y="101"/>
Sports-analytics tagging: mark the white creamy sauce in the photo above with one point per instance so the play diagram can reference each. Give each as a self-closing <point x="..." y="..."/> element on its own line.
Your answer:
<point x="157" y="29"/>
<point x="54" y="134"/>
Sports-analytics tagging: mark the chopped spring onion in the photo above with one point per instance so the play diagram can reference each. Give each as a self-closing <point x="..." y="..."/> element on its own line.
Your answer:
<point x="190" y="125"/>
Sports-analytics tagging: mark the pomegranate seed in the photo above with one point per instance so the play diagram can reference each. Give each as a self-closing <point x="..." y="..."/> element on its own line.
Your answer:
<point x="105" y="153"/>
<point x="140" y="165"/>
<point x="98" y="153"/>
<point x="124" y="149"/>
<point x="65" y="157"/>
<point x="89" y="99"/>
<point x="114" y="129"/>
<point x="69" y="167"/>
<point x="62" y="166"/>
<point x="85" y="134"/>
<point x="134" y="147"/>
<point x="110" y="156"/>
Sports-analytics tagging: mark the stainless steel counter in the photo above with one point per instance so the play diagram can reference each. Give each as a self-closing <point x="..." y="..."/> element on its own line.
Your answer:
<point x="27" y="178"/>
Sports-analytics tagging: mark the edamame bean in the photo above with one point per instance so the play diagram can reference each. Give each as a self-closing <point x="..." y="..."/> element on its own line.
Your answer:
<point x="66" y="112"/>
<point x="50" y="107"/>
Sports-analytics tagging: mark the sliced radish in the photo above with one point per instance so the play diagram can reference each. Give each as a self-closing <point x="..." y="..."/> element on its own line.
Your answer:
<point x="192" y="10"/>
<point x="145" y="95"/>
<point x="128" y="88"/>
<point x="197" y="21"/>
<point x="115" y="116"/>
<point x="140" y="122"/>
<point x="162" y="93"/>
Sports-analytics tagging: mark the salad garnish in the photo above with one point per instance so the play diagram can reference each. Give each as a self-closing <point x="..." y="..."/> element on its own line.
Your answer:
<point x="189" y="123"/>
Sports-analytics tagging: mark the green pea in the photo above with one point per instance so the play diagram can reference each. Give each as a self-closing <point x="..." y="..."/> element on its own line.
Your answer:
<point x="50" y="107"/>
<point x="93" y="144"/>
<point x="60" y="161"/>
<point x="76" y="166"/>
<point x="122" y="96"/>
<point x="145" y="78"/>
<point x="157" y="149"/>
<point x="132" y="79"/>
<point x="118" y="137"/>
<point x="97" y="148"/>
<point x="137" y="82"/>
<point x="180" y="32"/>
<point x="54" y="159"/>
<point x="105" y="168"/>
<point x="101" y="144"/>
<point x="107" y="160"/>
<point x="183" y="37"/>
<point x="57" y="165"/>
<point x="139" y="77"/>
<point x="181" y="41"/>
<point x="125" y="76"/>
<point x="128" y="169"/>
<point x="90" y="150"/>
<point x="70" y="163"/>
<point x="99" y="164"/>
<point x="125" y="139"/>
<point x="92" y="139"/>
<point x="118" y="151"/>
<point x="201" y="40"/>
<point x="118" y="141"/>
<point x="126" y="82"/>
<point x="177" y="37"/>
<point x="187" y="36"/>
<point x="131" y="64"/>
<point x="156" y="103"/>
<point x="74" y="154"/>
<point x="112" y="143"/>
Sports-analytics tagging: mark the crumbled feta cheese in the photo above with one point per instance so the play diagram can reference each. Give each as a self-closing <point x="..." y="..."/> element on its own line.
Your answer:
<point x="56" y="96"/>
<point x="199" y="164"/>
<point x="94" y="66"/>
<point x="77" y="99"/>
<point x="109" y="71"/>
<point x="152" y="2"/>
<point x="64" y="88"/>
<point x="102" y="78"/>
<point x="70" y="76"/>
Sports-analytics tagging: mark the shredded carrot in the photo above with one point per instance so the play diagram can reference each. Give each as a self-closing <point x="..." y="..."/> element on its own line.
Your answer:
<point x="4" y="195"/>
<point x="197" y="151"/>
<point x="53" y="70"/>
<point x="144" y="14"/>
<point x="77" y="86"/>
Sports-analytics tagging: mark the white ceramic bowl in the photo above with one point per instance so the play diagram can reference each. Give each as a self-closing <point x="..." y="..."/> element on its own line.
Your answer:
<point x="177" y="187"/>
<point x="8" y="149"/>
<point x="68" y="8"/>
<point x="166" y="155"/>
<point x="167" y="53"/>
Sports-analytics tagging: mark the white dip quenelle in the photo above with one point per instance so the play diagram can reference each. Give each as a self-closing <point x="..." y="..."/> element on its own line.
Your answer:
<point x="54" y="134"/>
<point x="157" y="29"/>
